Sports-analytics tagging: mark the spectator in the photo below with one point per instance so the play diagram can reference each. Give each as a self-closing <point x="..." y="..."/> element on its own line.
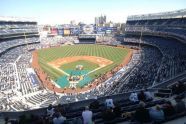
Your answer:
<point x="50" y="110"/>
<point x="133" y="97"/>
<point x="156" y="114"/>
<point x="109" y="102"/>
<point x="59" y="119"/>
<point x="168" y="109"/>
<point x="142" y="114"/>
<point x="87" y="116"/>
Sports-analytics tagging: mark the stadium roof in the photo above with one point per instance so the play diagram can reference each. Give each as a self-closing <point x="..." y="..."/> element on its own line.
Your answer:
<point x="162" y="15"/>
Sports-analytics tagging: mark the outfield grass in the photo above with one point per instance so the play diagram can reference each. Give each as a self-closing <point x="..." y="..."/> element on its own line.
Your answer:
<point x="112" y="53"/>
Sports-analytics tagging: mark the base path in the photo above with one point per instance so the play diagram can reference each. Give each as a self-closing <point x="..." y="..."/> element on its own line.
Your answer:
<point x="102" y="62"/>
<point x="94" y="59"/>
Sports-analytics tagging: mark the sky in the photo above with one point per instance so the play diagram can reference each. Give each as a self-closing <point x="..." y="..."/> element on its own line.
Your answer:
<point x="63" y="11"/>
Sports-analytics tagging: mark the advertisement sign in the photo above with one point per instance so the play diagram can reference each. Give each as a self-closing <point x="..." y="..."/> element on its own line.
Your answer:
<point x="54" y="31"/>
<point x="66" y="31"/>
<point x="61" y="32"/>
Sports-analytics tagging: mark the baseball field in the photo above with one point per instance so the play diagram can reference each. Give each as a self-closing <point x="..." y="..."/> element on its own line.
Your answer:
<point x="79" y="62"/>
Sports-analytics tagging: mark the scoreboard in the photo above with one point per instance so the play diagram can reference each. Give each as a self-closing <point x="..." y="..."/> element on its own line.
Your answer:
<point x="104" y="30"/>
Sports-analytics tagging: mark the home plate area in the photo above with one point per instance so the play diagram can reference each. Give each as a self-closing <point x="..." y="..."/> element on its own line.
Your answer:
<point x="76" y="70"/>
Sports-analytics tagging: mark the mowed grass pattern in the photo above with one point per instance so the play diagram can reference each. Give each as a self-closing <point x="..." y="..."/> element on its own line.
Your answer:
<point x="112" y="53"/>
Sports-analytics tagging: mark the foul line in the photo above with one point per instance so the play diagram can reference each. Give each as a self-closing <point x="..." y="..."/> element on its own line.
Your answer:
<point x="94" y="70"/>
<point x="69" y="74"/>
<point x="59" y="70"/>
<point x="82" y="75"/>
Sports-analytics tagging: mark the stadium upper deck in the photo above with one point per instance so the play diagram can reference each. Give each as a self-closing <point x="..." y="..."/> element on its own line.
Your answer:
<point x="12" y="27"/>
<point x="168" y="24"/>
<point x="162" y="15"/>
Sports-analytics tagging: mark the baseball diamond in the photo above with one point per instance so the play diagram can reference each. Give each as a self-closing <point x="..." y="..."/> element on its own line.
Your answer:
<point x="77" y="66"/>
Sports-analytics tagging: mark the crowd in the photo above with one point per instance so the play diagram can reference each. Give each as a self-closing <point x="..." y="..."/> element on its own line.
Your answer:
<point x="11" y="43"/>
<point x="105" y="40"/>
<point x="147" y="109"/>
<point x="57" y="41"/>
<point x="140" y="72"/>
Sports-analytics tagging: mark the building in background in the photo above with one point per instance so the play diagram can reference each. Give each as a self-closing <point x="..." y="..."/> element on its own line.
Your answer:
<point x="101" y="28"/>
<point x="109" y="24"/>
<point x="73" y="22"/>
<point x="123" y="28"/>
<point x="100" y="21"/>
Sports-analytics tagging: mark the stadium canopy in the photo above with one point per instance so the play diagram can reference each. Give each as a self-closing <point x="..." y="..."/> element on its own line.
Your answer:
<point x="163" y="15"/>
